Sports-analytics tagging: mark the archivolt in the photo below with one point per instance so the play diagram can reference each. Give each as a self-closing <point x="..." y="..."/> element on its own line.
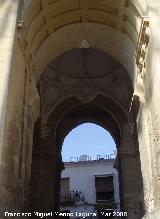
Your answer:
<point x="101" y="110"/>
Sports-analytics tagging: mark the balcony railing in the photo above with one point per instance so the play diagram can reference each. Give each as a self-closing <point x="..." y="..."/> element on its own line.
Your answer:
<point x="67" y="198"/>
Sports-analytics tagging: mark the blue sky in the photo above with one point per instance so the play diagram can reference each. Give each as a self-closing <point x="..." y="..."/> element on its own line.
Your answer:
<point x="87" y="139"/>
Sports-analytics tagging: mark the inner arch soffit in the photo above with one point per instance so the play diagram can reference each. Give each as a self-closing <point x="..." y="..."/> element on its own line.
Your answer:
<point x="42" y="18"/>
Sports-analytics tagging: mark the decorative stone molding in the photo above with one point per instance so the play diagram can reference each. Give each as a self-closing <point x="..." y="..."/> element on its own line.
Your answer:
<point x="23" y="39"/>
<point x="34" y="100"/>
<point x="30" y="63"/>
<point x="86" y="83"/>
<point x="142" y="46"/>
<point x="84" y="44"/>
<point x="45" y="131"/>
<point x="130" y="128"/>
<point x="135" y="106"/>
<point x="84" y="89"/>
<point x="127" y="156"/>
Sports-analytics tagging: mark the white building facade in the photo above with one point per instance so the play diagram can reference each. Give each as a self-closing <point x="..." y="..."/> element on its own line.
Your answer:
<point x="89" y="186"/>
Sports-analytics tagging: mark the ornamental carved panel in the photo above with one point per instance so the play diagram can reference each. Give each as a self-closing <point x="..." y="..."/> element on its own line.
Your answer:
<point x="84" y="73"/>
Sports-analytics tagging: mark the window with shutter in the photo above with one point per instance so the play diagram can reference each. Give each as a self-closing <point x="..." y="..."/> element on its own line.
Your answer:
<point x="104" y="188"/>
<point x="64" y="189"/>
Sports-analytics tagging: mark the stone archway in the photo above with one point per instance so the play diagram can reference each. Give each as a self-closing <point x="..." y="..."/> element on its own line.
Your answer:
<point x="41" y="31"/>
<point x="85" y="84"/>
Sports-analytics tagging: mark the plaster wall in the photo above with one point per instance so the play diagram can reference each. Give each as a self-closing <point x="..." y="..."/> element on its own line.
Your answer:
<point x="82" y="178"/>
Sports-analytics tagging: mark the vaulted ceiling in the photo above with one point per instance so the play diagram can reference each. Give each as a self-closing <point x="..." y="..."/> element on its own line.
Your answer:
<point x="43" y="17"/>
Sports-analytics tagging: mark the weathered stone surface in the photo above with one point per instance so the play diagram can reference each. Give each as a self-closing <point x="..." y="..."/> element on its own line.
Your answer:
<point x="46" y="40"/>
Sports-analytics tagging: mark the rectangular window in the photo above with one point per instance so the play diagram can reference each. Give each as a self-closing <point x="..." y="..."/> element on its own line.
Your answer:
<point x="67" y="197"/>
<point x="64" y="185"/>
<point x="64" y="189"/>
<point x="104" y="188"/>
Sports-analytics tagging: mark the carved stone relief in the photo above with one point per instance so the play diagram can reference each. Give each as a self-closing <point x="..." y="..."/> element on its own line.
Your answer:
<point x="23" y="39"/>
<point x="114" y="84"/>
<point x="34" y="100"/>
<point x="135" y="106"/>
<point x="142" y="46"/>
<point x="45" y="131"/>
<point x="134" y="110"/>
<point x="130" y="128"/>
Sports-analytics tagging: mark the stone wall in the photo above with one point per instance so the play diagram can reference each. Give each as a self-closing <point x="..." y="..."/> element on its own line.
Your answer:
<point x="152" y="215"/>
<point x="19" y="110"/>
<point x="8" y="15"/>
<point x="10" y="156"/>
<point x="19" y="102"/>
<point x="149" y="118"/>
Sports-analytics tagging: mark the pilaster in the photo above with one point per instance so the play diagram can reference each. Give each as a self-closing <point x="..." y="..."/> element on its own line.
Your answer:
<point x="44" y="169"/>
<point x="130" y="174"/>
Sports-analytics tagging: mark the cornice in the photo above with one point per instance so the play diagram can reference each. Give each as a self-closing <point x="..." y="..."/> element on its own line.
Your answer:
<point x="142" y="46"/>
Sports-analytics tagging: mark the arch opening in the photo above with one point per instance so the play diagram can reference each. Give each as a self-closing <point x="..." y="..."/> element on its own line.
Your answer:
<point x="89" y="171"/>
<point x="82" y="77"/>
<point x="86" y="137"/>
<point x="95" y="89"/>
<point x="58" y="127"/>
